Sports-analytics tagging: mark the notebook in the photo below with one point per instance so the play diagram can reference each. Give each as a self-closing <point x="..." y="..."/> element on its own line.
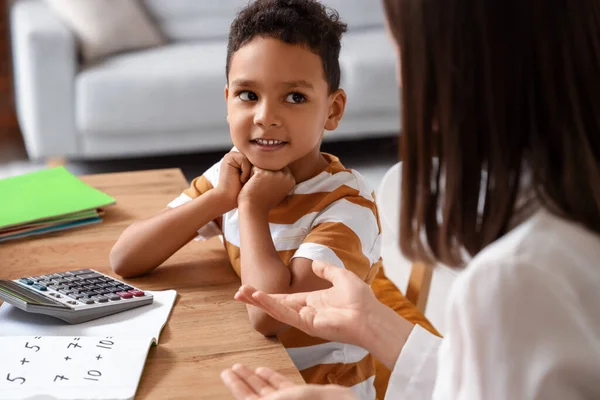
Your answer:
<point x="43" y="195"/>
<point x="44" y="357"/>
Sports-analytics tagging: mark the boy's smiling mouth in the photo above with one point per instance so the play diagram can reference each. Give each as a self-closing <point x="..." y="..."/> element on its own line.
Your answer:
<point x="268" y="144"/>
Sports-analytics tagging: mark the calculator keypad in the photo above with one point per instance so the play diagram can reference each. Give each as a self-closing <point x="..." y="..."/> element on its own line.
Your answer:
<point x="83" y="286"/>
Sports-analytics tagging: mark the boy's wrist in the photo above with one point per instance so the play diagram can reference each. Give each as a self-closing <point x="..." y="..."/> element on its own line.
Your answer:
<point x="248" y="206"/>
<point x="218" y="202"/>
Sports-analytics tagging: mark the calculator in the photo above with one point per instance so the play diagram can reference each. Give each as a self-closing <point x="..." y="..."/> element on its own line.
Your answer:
<point x="73" y="296"/>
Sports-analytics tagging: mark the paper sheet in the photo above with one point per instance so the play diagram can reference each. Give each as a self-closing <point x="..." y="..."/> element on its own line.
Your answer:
<point x="46" y="358"/>
<point x="144" y="321"/>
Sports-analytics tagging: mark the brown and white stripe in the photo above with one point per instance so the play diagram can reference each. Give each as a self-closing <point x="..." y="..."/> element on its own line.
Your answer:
<point x="331" y="217"/>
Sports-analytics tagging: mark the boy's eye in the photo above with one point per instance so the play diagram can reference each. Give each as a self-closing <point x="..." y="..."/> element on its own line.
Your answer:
<point x="247" y="96"/>
<point x="295" y="98"/>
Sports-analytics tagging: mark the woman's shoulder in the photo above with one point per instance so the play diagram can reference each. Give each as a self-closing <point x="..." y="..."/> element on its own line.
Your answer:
<point x="544" y="251"/>
<point x="547" y="241"/>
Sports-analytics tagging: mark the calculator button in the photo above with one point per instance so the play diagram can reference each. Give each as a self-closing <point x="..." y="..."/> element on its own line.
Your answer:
<point x="63" y="291"/>
<point x="137" y="293"/>
<point x="114" y="297"/>
<point x="26" y="281"/>
<point x="87" y="301"/>
<point x="74" y="295"/>
<point x="125" y="287"/>
<point x="81" y="271"/>
<point x="125" y="295"/>
<point x="102" y="299"/>
<point x="39" y="287"/>
<point x="72" y="302"/>
<point x="90" y="276"/>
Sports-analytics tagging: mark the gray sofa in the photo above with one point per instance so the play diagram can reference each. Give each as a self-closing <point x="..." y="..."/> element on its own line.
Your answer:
<point x="170" y="99"/>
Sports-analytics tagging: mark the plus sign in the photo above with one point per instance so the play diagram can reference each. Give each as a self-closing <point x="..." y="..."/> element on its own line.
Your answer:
<point x="23" y="361"/>
<point x="98" y="357"/>
<point x="67" y="358"/>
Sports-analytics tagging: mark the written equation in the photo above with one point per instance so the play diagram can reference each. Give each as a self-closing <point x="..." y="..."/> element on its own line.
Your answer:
<point x="71" y="367"/>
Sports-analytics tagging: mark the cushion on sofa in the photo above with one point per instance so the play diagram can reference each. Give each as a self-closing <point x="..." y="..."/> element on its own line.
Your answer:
<point x="175" y="88"/>
<point x="104" y="27"/>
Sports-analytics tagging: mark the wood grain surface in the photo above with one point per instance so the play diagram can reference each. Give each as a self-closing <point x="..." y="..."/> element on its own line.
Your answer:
<point x="207" y="331"/>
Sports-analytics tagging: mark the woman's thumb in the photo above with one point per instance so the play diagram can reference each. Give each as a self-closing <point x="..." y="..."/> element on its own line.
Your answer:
<point x="327" y="271"/>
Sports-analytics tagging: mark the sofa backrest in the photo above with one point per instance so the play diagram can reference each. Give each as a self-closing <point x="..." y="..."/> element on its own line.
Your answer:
<point x="210" y="20"/>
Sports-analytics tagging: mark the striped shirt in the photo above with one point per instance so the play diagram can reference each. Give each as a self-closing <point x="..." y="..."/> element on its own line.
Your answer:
<point x="331" y="217"/>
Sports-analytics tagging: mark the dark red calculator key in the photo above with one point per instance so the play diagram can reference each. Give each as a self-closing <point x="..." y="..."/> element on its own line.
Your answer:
<point x="137" y="293"/>
<point x="124" y="295"/>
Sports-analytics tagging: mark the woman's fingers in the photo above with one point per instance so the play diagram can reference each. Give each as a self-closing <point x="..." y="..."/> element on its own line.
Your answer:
<point x="330" y="272"/>
<point x="238" y="387"/>
<point x="259" y="385"/>
<point x="277" y="309"/>
<point x="241" y="296"/>
<point x="275" y="379"/>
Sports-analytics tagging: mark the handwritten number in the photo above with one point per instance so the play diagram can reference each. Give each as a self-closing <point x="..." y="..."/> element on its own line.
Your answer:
<point x="107" y="344"/>
<point x="32" y="347"/>
<point x="8" y="378"/>
<point x="94" y="373"/>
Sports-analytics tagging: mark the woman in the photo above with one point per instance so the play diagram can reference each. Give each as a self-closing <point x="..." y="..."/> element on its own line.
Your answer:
<point x="512" y="88"/>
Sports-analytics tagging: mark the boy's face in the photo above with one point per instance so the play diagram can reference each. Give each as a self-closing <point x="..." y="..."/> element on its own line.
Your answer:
<point x="278" y="103"/>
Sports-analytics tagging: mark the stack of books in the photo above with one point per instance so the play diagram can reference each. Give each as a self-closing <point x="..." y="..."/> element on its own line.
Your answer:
<point x="47" y="201"/>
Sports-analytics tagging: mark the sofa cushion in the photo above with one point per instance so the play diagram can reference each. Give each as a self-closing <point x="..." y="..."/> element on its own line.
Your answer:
<point x="178" y="87"/>
<point x="105" y="27"/>
<point x="207" y="20"/>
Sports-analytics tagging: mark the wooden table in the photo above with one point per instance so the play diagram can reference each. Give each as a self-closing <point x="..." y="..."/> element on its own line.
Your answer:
<point x="208" y="330"/>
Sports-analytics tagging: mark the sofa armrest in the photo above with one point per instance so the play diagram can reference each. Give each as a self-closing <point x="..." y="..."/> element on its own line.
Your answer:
<point x="45" y="65"/>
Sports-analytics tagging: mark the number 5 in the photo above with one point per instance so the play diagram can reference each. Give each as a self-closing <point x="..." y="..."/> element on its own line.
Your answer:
<point x="8" y="378"/>
<point x="37" y="348"/>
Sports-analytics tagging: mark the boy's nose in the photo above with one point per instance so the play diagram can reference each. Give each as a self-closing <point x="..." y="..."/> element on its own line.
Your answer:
<point x="266" y="115"/>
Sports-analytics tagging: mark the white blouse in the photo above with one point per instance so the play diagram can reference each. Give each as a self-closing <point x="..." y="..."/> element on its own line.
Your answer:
<point x="522" y="321"/>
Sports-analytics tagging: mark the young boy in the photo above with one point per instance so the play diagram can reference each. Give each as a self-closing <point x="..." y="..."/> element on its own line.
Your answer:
<point x="278" y="201"/>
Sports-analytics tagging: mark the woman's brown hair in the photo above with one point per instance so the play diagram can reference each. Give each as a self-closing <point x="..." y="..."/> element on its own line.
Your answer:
<point x="493" y="89"/>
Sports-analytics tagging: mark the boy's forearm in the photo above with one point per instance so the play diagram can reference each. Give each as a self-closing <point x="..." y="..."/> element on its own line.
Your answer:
<point x="261" y="267"/>
<point x="146" y="244"/>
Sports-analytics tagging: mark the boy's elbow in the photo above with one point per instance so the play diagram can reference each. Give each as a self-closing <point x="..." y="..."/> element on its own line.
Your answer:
<point x="120" y="264"/>
<point x="266" y="325"/>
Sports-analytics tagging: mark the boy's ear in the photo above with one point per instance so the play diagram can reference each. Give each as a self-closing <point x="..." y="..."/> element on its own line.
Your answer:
<point x="337" y="105"/>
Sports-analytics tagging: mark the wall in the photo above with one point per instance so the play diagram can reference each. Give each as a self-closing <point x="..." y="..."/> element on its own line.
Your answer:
<point x="10" y="136"/>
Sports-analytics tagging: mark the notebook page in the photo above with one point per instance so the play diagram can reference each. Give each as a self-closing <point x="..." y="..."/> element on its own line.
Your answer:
<point x="71" y="367"/>
<point x="144" y="321"/>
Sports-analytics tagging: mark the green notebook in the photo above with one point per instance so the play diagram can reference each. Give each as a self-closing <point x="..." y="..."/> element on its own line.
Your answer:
<point x="46" y="194"/>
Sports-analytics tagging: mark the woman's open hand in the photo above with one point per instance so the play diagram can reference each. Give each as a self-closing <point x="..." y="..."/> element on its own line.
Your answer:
<point x="266" y="384"/>
<point x="340" y="313"/>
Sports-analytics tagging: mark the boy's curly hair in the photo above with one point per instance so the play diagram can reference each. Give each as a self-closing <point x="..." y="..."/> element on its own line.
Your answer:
<point x="300" y="22"/>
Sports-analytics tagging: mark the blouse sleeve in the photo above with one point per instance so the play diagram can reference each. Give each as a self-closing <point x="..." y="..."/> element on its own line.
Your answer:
<point x="514" y="331"/>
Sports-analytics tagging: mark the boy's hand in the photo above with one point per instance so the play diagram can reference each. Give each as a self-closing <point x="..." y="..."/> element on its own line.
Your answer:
<point x="235" y="172"/>
<point x="265" y="189"/>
